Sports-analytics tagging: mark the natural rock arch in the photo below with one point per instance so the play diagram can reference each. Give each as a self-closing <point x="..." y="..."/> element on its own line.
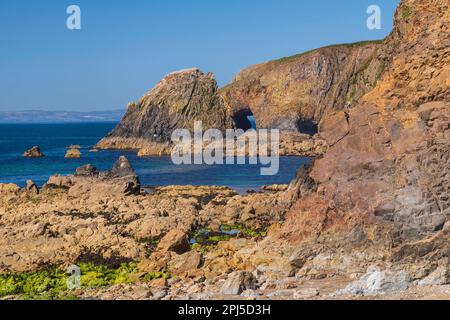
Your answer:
<point x="242" y="119"/>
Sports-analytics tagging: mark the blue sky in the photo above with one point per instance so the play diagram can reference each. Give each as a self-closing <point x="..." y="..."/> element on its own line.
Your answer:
<point x="125" y="47"/>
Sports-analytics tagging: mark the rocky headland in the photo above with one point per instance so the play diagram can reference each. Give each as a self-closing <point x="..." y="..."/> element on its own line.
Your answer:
<point x="370" y="218"/>
<point x="177" y="101"/>
<point x="187" y="96"/>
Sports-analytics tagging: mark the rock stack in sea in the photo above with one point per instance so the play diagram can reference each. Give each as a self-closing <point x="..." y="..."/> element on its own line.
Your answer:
<point x="176" y="102"/>
<point x="34" y="152"/>
<point x="73" y="152"/>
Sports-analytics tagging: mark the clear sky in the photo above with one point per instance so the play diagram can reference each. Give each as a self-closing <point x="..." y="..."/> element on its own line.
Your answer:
<point x="126" y="46"/>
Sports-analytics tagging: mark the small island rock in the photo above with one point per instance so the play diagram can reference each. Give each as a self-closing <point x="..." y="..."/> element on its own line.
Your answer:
<point x="73" y="153"/>
<point x="34" y="152"/>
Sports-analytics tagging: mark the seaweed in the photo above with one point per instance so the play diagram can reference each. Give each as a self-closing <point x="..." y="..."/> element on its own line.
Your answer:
<point x="51" y="283"/>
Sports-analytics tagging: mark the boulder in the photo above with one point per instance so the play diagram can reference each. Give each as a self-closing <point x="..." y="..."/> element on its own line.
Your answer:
<point x="123" y="175"/>
<point x="87" y="170"/>
<point x="440" y="276"/>
<point x="156" y="262"/>
<point x="176" y="241"/>
<point x="59" y="181"/>
<point x="9" y="188"/>
<point x="306" y="293"/>
<point x="238" y="282"/>
<point x="122" y="168"/>
<point x="180" y="265"/>
<point x="158" y="283"/>
<point x="377" y="281"/>
<point x="300" y="256"/>
<point x="34" y="152"/>
<point x="32" y="187"/>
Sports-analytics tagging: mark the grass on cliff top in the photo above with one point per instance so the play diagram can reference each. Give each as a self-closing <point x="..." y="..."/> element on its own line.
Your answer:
<point x="290" y="58"/>
<point x="349" y="45"/>
<point x="51" y="283"/>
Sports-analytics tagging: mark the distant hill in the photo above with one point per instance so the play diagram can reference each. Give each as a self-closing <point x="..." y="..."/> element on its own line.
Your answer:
<point x="35" y="116"/>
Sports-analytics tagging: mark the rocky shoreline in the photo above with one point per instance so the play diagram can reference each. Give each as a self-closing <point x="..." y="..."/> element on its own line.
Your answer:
<point x="290" y="144"/>
<point x="106" y="218"/>
<point x="199" y="243"/>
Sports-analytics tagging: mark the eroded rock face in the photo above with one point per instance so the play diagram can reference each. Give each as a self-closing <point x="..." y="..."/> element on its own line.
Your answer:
<point x="301" y="186"/>
<point x="175" y="241"/>
<point x="294" y="93"/>
<point x="176" y="102"/>
<point x="389" y="157"/>
<point x="283" y="102"/>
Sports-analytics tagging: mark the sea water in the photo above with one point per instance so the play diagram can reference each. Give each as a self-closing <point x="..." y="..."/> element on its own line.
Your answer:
<point x="53" y="139"/>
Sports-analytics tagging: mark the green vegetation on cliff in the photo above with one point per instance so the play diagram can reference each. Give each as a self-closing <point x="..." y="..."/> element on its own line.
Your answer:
<point x="350" y="45"/>
<point x="406" y="13"/>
